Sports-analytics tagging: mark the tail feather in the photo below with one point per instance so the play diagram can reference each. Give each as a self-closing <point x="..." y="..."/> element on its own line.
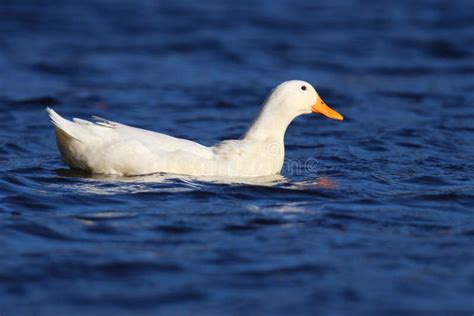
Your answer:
<point x="63" y="126"/>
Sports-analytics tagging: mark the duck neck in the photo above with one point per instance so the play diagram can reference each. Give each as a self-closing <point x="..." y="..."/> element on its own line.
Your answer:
<point x="269" y="126"/>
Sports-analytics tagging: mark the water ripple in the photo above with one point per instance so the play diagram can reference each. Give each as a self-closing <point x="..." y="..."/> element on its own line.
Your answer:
<point x="381" y="225"/>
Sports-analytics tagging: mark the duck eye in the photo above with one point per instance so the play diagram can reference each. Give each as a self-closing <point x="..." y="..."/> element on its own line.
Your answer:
<point x="303" y="88"/>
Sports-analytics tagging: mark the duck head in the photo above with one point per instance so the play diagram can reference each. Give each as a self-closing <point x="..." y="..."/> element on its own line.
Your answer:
<point x="298" y="97"/>
<point x="285" y="102"/>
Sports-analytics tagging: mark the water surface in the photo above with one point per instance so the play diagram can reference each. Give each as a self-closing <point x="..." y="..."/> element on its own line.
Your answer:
<point x="382" y="223"/>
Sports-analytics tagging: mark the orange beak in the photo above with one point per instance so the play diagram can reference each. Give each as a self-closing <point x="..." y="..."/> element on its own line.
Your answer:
<point x="321" y="108"/>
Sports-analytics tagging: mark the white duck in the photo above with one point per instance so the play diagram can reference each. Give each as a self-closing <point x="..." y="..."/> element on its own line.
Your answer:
<point x="107" y="147"/>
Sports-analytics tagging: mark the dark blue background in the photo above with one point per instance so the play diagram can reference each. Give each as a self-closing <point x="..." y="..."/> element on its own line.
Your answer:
<point x="383" y="226"/>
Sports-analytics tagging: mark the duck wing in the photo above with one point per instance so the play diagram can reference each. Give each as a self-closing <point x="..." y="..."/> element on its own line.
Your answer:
<point x="108" y="147"/>
<point x="104" y="132"/>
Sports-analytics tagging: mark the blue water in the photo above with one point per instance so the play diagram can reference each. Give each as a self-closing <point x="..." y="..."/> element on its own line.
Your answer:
<point x="381" y="224"/>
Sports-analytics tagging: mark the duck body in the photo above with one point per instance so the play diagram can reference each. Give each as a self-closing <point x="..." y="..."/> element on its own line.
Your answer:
<point x="111" y="148"/>
<point x="107" y="147"/>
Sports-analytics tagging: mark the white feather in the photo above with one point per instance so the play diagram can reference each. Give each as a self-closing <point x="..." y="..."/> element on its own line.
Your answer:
<point x="112" y="148"/>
